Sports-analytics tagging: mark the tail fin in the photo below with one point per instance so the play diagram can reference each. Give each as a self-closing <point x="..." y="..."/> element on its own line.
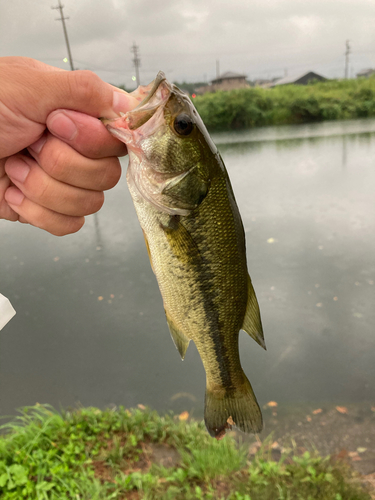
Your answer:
<point x="224" y="409"/>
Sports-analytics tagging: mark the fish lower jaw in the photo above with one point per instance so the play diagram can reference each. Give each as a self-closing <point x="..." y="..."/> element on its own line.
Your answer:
<point x="123" y="134"/>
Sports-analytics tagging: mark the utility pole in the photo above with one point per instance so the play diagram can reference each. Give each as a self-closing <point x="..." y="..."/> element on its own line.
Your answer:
<point x="62" y="18"/>
<point x="217" y="68"/>
<point x="347" y="52"/>
<point x="136" y="61"/>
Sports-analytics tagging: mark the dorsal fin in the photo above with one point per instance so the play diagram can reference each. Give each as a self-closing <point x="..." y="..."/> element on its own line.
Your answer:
<point x="180" y="340"/>
<point x="252" y="323"/>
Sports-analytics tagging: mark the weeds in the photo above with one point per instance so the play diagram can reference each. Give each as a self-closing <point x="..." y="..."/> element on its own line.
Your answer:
<point x="90" y="454"/>
<point x="254" y="107"/>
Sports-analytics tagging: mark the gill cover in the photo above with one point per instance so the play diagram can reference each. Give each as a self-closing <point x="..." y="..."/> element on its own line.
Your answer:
<point x="164" y="169"/>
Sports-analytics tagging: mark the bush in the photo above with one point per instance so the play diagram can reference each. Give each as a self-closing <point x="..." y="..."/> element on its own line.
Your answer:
<point x="254" y="107"/>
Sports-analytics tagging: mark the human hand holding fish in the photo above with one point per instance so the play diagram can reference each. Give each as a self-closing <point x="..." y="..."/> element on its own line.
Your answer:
<point x="182" y="195"/>
<point x="70" y="157"/>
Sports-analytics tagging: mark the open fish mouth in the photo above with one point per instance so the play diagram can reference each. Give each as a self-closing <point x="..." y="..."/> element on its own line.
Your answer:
<point x="152" y="97"/>
<point x="147" y="92"/>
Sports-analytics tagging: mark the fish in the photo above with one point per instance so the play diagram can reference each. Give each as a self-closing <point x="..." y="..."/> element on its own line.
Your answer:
<point x="195" y="241"/>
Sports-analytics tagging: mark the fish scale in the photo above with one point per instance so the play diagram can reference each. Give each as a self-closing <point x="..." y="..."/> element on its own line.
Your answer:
<point x="196" y="244"/>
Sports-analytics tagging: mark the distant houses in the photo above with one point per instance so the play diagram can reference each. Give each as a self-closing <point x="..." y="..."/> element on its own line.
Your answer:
<point x="231" y="81"/>
<point x="365" y="73"/>
<point x="226" y="81"/>
<point x="299" y="79"/>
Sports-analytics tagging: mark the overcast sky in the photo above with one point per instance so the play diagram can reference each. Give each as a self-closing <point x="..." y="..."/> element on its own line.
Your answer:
<point x="260" y="38"/>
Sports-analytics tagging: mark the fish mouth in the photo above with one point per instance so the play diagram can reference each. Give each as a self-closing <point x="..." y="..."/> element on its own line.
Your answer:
<point x="150" y="90"/>
<point x="157" y="94"/>
<point x="152" y="97"/>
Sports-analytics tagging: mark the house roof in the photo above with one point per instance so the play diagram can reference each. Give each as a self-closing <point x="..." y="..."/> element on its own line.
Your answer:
<point x="366" y="71"/>
<point x="227" y="75"/>
<point x="294" y="78"/>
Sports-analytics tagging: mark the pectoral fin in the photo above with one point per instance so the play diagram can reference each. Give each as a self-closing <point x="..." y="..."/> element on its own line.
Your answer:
<point x="148" y="250"/>
<point x="252" y="323"/>
<point x="181" y="241"/>
<point x="187" y="190"/>
<point x="180" y="340"/>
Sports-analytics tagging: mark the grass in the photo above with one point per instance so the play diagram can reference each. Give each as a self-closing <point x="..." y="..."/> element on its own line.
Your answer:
<point x="89" y="454"/>
<point x="288" y="104"/>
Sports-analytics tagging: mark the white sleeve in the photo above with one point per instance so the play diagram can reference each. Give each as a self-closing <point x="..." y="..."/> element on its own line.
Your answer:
<point x="6" y="311"/>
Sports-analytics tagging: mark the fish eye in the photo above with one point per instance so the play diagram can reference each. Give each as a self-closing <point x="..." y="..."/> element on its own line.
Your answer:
<point x="183" y="124"/>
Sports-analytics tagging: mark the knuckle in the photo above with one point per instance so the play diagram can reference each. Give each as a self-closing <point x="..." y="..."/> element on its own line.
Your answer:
<point x="70" y="226"/>
<point x="86" y="84"/>
<point x="43" y="193"/>
<point x="97" y="202"/>
<point x="90" y="203"/>
<point x="111" y="174"/>
<point x="56" y="165"/>
<point x="7" y="213"/>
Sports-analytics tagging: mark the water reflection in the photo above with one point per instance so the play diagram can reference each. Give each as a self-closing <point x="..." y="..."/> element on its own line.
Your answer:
<point x="99" y="241"/>
<point x="90" y="325"/>
<point x="344" y="152"/>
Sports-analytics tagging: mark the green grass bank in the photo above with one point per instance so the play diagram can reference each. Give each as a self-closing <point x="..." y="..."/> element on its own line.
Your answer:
<point x="289" y="104"/>
<point x="89" y="454"/>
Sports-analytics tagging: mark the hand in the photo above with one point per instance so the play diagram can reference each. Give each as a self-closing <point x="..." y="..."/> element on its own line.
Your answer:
<point x="70" y="158"/>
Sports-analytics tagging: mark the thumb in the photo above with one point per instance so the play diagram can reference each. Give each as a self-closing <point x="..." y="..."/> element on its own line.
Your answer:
<point x="30" y="92"/>
<point x="79" y="90"/>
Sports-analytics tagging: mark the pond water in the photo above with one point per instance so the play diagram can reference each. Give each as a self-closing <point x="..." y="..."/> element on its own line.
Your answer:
<point x="90" y="326"/>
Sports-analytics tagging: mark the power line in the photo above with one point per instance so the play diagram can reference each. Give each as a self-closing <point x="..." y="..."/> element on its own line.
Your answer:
<point x="62" y="18"/>
<point x="136" y="61"/>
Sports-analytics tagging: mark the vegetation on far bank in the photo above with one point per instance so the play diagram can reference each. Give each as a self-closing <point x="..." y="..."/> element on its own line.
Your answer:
<point x="89" y="454"/>
<point x="288" y="104"/>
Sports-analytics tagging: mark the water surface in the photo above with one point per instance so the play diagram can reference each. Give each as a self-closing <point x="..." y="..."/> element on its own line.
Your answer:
<point x="90" y="325"/>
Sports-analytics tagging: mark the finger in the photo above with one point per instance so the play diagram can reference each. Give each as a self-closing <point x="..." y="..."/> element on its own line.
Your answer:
<point x="5" y="211"/>
<point x="85" y="134"/>
<point x="65" y="164"/>
<point x="36" y="215"/>
<point x="38" y="187"/>
<point x="29" y="62"/>
<point x="80" y="90"/>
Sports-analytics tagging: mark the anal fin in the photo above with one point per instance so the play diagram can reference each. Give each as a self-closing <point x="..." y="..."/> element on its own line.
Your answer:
<point x="252" y="323"/>
<point x="180" y="340"/>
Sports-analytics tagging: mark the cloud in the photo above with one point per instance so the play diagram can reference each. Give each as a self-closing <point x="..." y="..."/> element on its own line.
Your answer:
<point x="258" y="38"/>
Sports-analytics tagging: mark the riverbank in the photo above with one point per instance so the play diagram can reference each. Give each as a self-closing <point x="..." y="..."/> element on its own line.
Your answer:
<point x="89" y="454"/>
<point x="289" y="104"/>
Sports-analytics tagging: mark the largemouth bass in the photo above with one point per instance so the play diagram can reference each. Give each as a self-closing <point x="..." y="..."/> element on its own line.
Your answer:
<point x="196" y="244"/>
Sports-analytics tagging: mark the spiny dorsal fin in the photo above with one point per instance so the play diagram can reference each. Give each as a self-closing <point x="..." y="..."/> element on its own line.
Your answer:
<point x="252" y="323"/>
<point x="180" y="340"/>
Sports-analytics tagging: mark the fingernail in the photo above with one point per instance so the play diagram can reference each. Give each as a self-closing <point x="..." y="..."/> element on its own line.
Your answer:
<point x="122" y="102"/>
<point x="14" y="196"/>
<point x="17" y="169"/>
<point x="37" y="145"/>
<point x="62" y="126"/>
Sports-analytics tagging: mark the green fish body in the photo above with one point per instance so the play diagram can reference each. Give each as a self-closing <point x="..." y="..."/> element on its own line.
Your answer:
<point x="196" y="244"/>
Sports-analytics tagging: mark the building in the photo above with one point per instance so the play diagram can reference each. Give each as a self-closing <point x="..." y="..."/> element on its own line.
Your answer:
<point x="300" y="79"/>
<point x="226" y="81"/>
<point x="365" y="73"/>
<point x="265" y="83"/>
